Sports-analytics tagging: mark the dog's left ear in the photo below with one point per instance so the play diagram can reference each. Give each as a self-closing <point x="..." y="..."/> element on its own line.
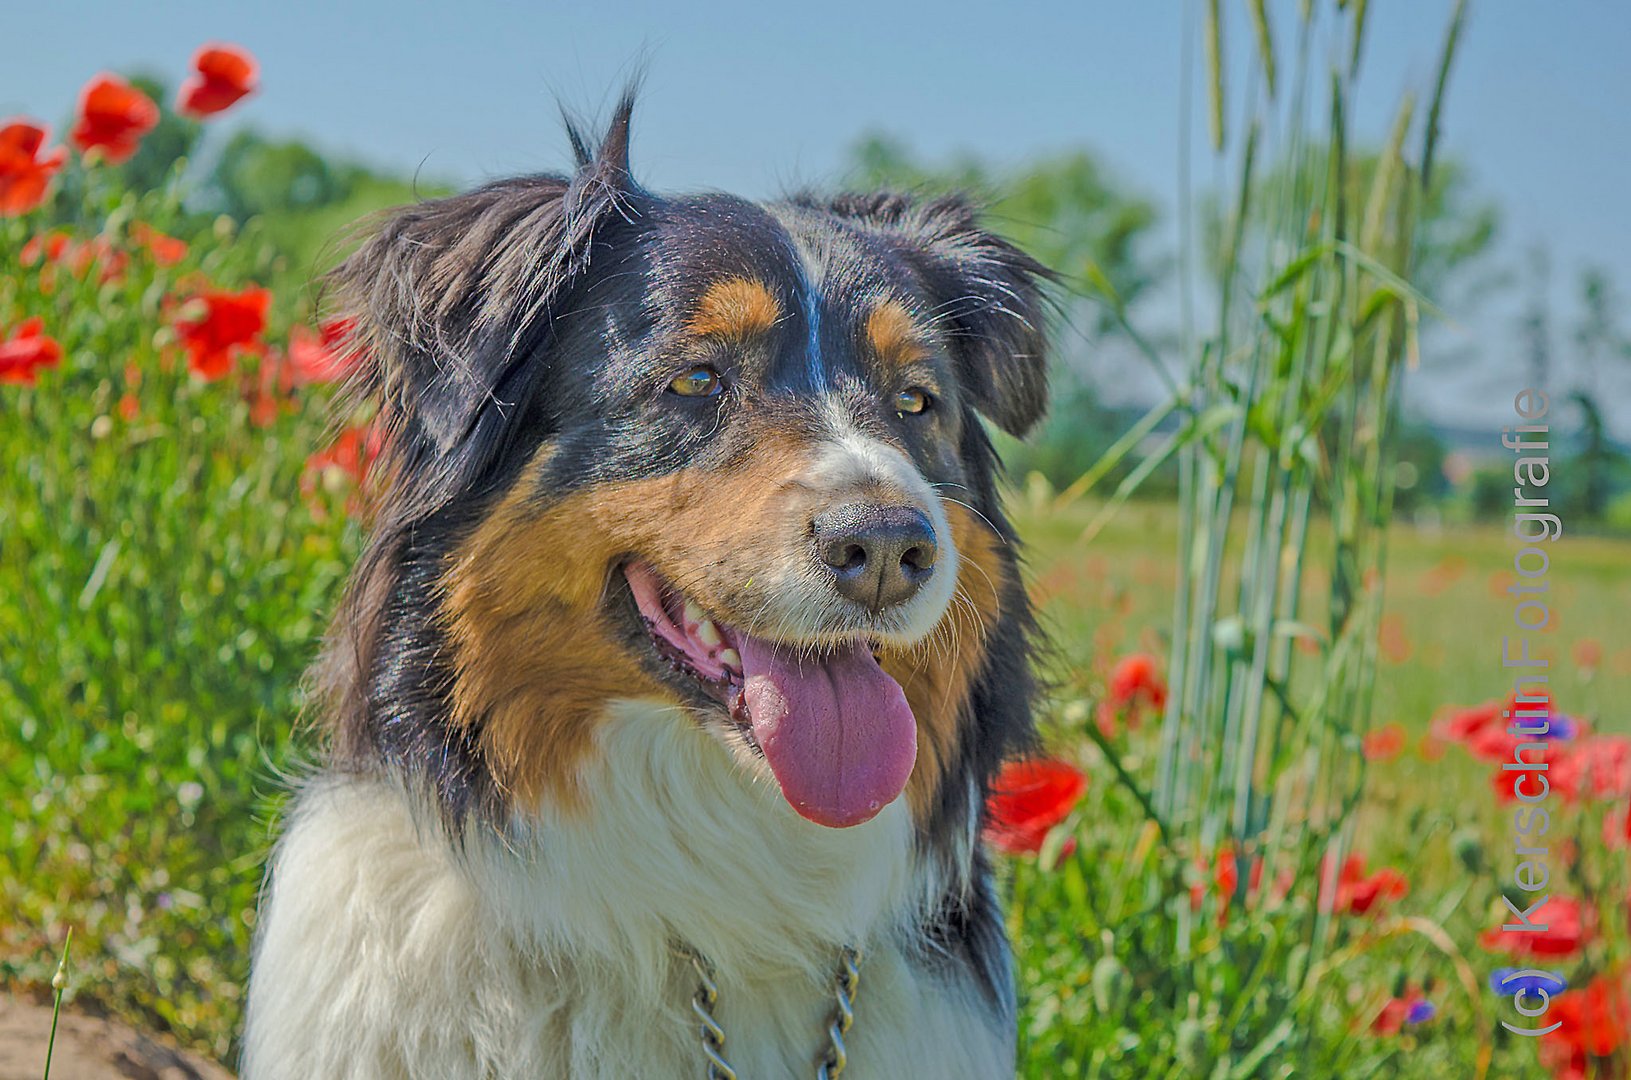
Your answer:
<point x="451" y="300"/>
<point x="988" y="291"/>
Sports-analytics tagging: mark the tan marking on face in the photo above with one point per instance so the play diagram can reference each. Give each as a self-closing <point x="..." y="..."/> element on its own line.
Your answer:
<point x="893" y="334"/>
<point x="735" y="308"/>
<point x="535" y="655"/>
<point x="938" y="672"/>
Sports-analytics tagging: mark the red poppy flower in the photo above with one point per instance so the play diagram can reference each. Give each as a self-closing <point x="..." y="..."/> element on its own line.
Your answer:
<point x="1617" y="827"/>
<point x="24" y="174"/>
<point x="1136" y="679"/>
<point x="266" y="389"/>
<point x="98" y="251"/>
<point x="1028" y="799"/>
<point x="1482" y="730"/>
<point x="215" y="324"/>
<point x="353" y="452"/>
<point x="1384" y="743"/>
<point x="113" y="116"/>
<point x="1393" y="641"/>
<point x="1599" y="768"/>
<point x="325" y="356"/>
<point x="25" y="351"/>
<point x="1595" y="1021"/>
<point x="343" y="466"/>
<point x="1407" y="1011"/>
<point x="1359" y="893"/>
<point x="166" y="250"/>
<point x="50" y="247"/>
<point x="1564" y="1062"/>
<point x="1135" y="684"/>
<point x="222" y="76"/>
<point x="1464" y="725"/>
<point x="1226" y="874"/>
<point x="1445" y="573"/>
<point x="1568" y="926"/>
<point x="1225" y="878"/>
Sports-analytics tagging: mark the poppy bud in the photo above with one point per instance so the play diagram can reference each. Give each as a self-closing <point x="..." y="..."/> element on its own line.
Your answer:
<point x="1110" y="984"/>
<point x="1191" y="1039"/>
<point x="1469" y="850"/>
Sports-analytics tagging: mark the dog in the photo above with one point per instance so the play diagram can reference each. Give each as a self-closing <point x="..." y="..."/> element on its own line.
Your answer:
<point x="662" y="705"/>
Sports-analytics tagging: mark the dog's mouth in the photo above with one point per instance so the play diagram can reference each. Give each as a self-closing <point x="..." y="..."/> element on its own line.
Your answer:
<point x="835" y="729"/>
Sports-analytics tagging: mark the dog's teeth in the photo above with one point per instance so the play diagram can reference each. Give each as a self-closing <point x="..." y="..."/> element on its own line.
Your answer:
<point x="708" y="633"/>
<point x="693" y="614"/>
<point x="731" y="658"/>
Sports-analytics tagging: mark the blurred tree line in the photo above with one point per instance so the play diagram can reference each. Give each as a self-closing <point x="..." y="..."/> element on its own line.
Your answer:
<point x="1581" y="357"/>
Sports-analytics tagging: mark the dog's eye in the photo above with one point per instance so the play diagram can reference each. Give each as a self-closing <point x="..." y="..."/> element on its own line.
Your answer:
<point x="700" y="381"/>
<point x="913" y="401"/>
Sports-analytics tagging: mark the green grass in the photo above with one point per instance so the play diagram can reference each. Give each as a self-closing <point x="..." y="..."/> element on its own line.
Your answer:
<point x="163" y="583"/>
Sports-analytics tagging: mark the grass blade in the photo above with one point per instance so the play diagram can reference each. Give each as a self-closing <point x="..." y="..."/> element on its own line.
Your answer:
<point x="1116" y="453"/>
<point x="59" y="983"/>
<point x="1361" y="9"/>
<point x="1452" y="39"/>
<point x="1265" y="43"/>
<point x="1214" y="65"/>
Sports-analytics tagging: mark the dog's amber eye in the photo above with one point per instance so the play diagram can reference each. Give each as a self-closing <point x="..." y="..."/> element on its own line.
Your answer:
<point x="698" y="382"/>
<point x="913" y="401"/>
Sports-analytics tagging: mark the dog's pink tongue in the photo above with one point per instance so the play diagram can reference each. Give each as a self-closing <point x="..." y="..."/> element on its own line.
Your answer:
<point x="836" y="730"/>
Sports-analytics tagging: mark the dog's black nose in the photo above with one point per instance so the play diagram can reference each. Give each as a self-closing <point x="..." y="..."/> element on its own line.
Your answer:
<point x="879" y="555"/>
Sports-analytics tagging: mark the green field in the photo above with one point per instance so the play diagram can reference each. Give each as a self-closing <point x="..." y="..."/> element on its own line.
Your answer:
<point x="1446" y="605"/>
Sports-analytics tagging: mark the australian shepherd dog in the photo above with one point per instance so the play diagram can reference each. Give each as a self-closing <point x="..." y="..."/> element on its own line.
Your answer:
<point x="662" y="706"/>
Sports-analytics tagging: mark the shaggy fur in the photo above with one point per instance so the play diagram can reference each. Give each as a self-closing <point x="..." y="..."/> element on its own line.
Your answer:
<point x="529" y="804"/>
<point x="399" y="955"/>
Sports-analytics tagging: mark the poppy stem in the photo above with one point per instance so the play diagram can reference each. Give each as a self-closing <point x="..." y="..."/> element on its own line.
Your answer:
<point x="1126" y="778"/>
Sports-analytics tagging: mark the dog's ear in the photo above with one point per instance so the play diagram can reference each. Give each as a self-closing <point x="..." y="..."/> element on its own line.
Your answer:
<point x="989" y="292"/>
<point x="451" y="297"/>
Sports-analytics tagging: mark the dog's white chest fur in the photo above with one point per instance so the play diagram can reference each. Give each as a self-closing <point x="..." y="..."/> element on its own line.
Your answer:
<point x="385" y="952"/>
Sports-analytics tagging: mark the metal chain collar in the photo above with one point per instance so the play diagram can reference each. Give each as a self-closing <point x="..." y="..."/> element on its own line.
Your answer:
<point x="833" y="1057"/>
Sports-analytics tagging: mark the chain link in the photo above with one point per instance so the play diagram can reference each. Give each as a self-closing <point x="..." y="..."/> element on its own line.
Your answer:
<point x="849" y="977"/>
<point x="833" y="1059"/>
<point x="702" y="1004"/>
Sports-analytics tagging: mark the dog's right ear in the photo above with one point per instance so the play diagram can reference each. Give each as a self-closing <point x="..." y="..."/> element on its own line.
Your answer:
<point x="451" y="298"/>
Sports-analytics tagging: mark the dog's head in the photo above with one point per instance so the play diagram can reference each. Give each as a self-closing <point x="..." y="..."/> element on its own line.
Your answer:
<point x="718" y="453"/>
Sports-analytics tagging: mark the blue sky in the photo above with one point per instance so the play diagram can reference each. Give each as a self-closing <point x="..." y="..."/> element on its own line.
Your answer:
<point x="756" y="98"/>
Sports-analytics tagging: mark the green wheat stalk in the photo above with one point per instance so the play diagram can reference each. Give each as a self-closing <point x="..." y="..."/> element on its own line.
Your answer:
<point x="59" y="983"/>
